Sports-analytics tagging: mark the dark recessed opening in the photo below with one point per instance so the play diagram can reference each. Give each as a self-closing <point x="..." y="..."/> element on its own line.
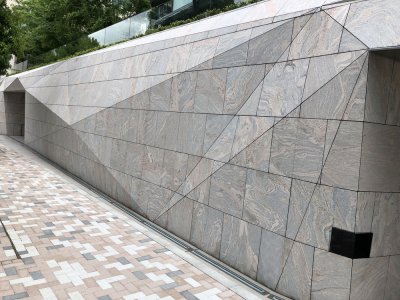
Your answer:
<point x="350" y="244"/>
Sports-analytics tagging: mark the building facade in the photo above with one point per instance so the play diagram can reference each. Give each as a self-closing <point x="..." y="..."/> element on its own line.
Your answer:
<point x="268" y="137"/>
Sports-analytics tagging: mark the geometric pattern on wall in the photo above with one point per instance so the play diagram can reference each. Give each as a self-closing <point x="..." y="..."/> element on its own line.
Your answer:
<point x="250" y="134"/>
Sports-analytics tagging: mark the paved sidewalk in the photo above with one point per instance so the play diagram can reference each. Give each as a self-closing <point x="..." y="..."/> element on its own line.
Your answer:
<point x="74" y="246"/>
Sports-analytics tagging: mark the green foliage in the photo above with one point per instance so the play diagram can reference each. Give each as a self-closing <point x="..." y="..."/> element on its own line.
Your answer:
<point x="42" y="61"/>
<point x="47" y="24"/>
<point x="6" y="34"/>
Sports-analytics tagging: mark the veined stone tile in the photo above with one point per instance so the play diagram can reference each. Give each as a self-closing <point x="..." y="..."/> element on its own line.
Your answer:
<point x="365" y="211"/>
<point x="320" y="36"/>
<point x="160" y="96"/>
<point x="331" y="100"/>
<point x="300" y="195"/>
<point x="250" y="107"/>
<point x="118" y="155"/>
<point x="380" y="70"/>
<point x="283" y="88"/>
<point x="182" y="92"/>
<point x="297" y="148"/>
<point x="240" y="245"/>
<point x="331" y="131"/>
<point x="210" y="91"/>
<point x="256" y="155"/>
<point x="174" y="169"/>
<point x="138" y="203"/>
<point x="232" y="49"/>
<point x="214" y="127"/>
<point x="356" y="105"/>
<point x="339" y="13"/>
<point x="191" y="133"/>
<point x="295" y="280"/>
<point x="202" y="51"/>
<point x="206" y="229"/>
<point x="178" y="59"/>
<point x="373" y="23"/>
<point x="268" y="47"/>
<point x="393" y="117"/>
<point x="221" y="149"/>
<point x="368" y="278"/>
<point x="274" y="251"/>
<point x="342" y="165"/>
<point x="349" y="42"/>
<point x="134" y="159"/>
<point x="221" y="31"/>
<point x="323" y="68"/>
<point x="240" y="84"/>
<point x="331" y="276"/>
<point x="249" y="129"/>
<point x="149" y="128"/>
<point x="380" y="154"/>
<point x="266" y="202"/>
<point x="386" y="225"/>
<point x="328" y="207"/>
<point x="201" y="193"/>
<point x="180" y="218"/>
<point x="392" y="289"/>
<point x="152" y="164"/>
<point x="141" y="100"/>
<point x="167" y="130"/>
<point x="227" y="189"/>
<point x="157" y="198"/>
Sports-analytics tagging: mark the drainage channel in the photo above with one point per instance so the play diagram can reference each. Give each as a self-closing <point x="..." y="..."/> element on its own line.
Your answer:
<point x="11" y="241"/>
<point x="171" y="237"/>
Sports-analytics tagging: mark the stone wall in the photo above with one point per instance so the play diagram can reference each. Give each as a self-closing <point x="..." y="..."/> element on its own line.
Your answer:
<point x="250" y="134"/>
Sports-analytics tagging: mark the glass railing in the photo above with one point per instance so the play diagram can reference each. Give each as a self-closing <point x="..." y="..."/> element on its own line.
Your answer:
<point x="129" y="28"/>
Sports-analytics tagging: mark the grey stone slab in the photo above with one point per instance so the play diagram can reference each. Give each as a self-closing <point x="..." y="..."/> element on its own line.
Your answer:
<point x="339" y="13"/>
<point x="393" y="117"/>
<point x="320" y="36"/>
<point x="174" y="169"/>
<point x="386" y="225"/>
<point x="240" y="245"/>
<point x="380" y="69"/>
<point x="156" y="197"/>
<point x="214" y="127"/>
<point x="331" y="131"/>
<point x="152" y="164"/>
<point x="328" y="207"/>
<point x="10" y="271"/>
<point x="206" y="229"/>
<point x="256" y="155"/>
<point x="350" y="43"/>
<point x="140" y="100"/>
<point x="297" y="148"/>
<point x="295" y="281"/>
<point x="266" y="202"/>
<point x="167" y="130"/>
<point x="331" y="276"/>
<point x="148" y="128"/>
<point x="202" y="192"/>
<point x="16" y="296"/>
<point x="374" y="23"/>
<point x="118" y="155"/>
<point x="323" y="68"/>
<point x="202" y="51"/>
<point x="180" y="218"/>
<point x="221" y="149"/>
<point x="134" y="159"/>
<point x="160" y="96"/>
<point x="283" y="88"/>
<point x="182" y="92"/>
<point x="274" y="251"/>
<point x="380" y="154"/>
<point x="365" y="211"/>
<point x="342" y="164"/>
<point x="232" y="58"/>
<point x="191" y="133"/>
<point x="356" y="105"/>
<point x="248" y="129"/>
<point x="240" y="84"/>
<point x="210" y="91"/>
<point x="250" y="106"/>
<point x="268" y="47"/>
<point x="331" y="100"/>
<point x="392" y="289"/>
<point x="227" y="189"/>
<point x="300" y="195"/>
<point x="368" y="278"/>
